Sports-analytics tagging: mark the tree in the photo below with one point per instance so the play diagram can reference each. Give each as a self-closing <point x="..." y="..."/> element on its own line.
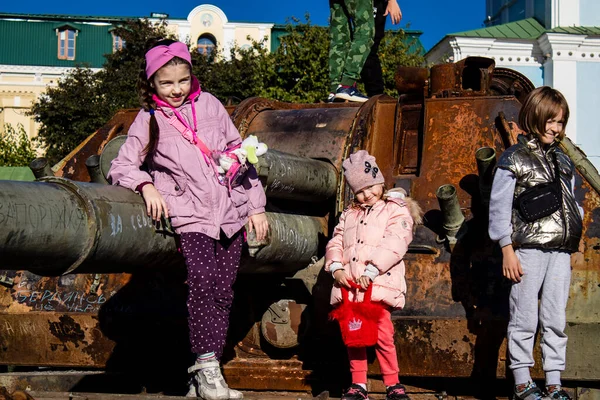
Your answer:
<point x="296" y="72"/>
<point x="397" y="49"/>
<point x="300" y="67"/>
<point x="119" y="77"/>
<point x="16" y="149"/>
<point x="70" y="112"/>
<point x="84" y="101"/>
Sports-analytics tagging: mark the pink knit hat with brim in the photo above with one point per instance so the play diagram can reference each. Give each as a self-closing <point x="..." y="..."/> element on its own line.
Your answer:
<point x="158" y="56"/>
<point x="361" y="171"/>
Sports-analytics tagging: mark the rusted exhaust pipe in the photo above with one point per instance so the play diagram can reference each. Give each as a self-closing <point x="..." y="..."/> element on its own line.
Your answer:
<point x="486" y="162"/>
<point x="452" y="216"/>
<point x="40" y="168"/>
<point x="93" y="167"/>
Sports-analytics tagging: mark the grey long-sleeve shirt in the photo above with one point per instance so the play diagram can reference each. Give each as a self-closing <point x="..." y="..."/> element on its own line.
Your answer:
<point x="501" y="203"/>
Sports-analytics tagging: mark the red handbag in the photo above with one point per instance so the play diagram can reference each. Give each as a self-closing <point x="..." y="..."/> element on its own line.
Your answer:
<point x="358" y="320"/>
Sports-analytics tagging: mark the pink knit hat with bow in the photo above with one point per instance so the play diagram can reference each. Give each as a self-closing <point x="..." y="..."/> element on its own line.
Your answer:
<point x="361" y="171"/>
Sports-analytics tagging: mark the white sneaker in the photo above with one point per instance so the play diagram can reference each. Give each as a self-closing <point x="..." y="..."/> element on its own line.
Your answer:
<point x="208" y="383"/>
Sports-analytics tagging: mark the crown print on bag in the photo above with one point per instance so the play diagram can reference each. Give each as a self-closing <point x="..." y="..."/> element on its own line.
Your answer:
<point x="354" y="325"/>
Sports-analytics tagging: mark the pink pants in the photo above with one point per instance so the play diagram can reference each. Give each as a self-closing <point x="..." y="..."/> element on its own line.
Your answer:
<point x="386" y="354"/>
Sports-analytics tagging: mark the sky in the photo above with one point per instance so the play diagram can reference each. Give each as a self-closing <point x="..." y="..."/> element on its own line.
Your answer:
<point x="435" y="18"/>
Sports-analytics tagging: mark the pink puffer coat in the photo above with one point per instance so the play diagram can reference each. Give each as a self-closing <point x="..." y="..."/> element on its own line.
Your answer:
<point x="379" y="235"/>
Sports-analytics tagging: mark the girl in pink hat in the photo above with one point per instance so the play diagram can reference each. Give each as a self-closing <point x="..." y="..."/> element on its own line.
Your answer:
<point x="367" y="248"/>
<point x="167" y="158"/>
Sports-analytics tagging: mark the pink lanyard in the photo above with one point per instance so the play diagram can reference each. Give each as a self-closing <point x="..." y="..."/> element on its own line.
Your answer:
<point x="179" y="123"/>
<point x="179" y="117"/>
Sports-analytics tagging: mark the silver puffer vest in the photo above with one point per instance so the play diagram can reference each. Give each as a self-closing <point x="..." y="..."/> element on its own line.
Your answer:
<point x="531" y="165"/>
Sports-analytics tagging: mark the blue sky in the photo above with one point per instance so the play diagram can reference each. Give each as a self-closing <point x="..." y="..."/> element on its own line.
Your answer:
<point x="434" y="17"/>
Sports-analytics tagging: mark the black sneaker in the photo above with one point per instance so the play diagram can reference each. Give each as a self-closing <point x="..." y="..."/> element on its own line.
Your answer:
<point x="396" y="392"/>
<point x="558" y="394"/>
<point x="531" y="392"/>
<point x="350" y="93"/>
<point x="330" y="98"/>
<point x="355" y="392"/>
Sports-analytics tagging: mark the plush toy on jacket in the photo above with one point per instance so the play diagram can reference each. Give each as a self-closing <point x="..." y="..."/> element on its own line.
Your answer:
<point x="250" y="149"/>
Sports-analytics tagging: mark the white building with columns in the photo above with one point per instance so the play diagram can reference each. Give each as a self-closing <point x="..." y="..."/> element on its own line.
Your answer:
<point x="552" y="42"/>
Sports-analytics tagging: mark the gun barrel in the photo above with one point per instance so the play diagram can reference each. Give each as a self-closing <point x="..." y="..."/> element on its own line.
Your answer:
<point x="287" y="176"/>
<point x="57" y="226"/>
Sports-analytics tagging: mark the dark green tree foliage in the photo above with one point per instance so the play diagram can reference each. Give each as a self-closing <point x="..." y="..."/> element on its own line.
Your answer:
<point x="70" y="112"/>
<point x="296" y="72"/>
<point x="243" y="74"/>
<point x="300" y="64"/>
<point x="397" y="49"/>
<point x="119" y="78"/>
<point x="16" y="149"/>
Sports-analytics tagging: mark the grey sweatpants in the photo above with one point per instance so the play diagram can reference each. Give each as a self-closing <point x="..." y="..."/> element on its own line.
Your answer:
<point x="547" y="276"/>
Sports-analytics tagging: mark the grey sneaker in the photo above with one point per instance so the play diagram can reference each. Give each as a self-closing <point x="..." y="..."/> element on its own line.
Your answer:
<point x="531" y="392"/>
<point x="208" y="383"/>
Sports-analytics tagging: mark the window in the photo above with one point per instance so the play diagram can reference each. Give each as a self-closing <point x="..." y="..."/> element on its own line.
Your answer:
<point x="66" y="43"/>
<point x="118" y="43"/>
<point x="206" y="44"/>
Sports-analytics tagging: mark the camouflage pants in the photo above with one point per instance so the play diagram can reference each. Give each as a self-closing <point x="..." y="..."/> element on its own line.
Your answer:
<point x="351" y="32"/>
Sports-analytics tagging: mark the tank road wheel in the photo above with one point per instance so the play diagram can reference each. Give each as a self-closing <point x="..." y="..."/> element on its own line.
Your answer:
<point x="283" y="323"/>
<point x="510" y="82"/>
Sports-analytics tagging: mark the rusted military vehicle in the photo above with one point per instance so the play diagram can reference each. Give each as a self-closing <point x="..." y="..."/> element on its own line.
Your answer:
<point x="90" y="284"/>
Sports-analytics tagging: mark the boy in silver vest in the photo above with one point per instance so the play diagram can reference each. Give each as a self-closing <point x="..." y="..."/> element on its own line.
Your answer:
<point x="537" y="252"/>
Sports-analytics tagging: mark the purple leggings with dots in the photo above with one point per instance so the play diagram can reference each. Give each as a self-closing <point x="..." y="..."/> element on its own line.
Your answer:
<point x="212" y="266"/>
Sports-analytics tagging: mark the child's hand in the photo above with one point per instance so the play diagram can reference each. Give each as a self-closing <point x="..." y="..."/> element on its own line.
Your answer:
<point x="511" y="266"/>
<point x="155" y="204"/>
<point x="341" y="278"/>
<point x="260" y="223"/>
<point x="364" y="281"/>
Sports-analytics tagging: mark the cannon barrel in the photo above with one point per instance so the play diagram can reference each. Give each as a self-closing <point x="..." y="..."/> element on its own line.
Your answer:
<point x="287" y="176"/>
<point x="93" y="167"/>
<point x="452" y="217"/>
<point x="57" y="226"/>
